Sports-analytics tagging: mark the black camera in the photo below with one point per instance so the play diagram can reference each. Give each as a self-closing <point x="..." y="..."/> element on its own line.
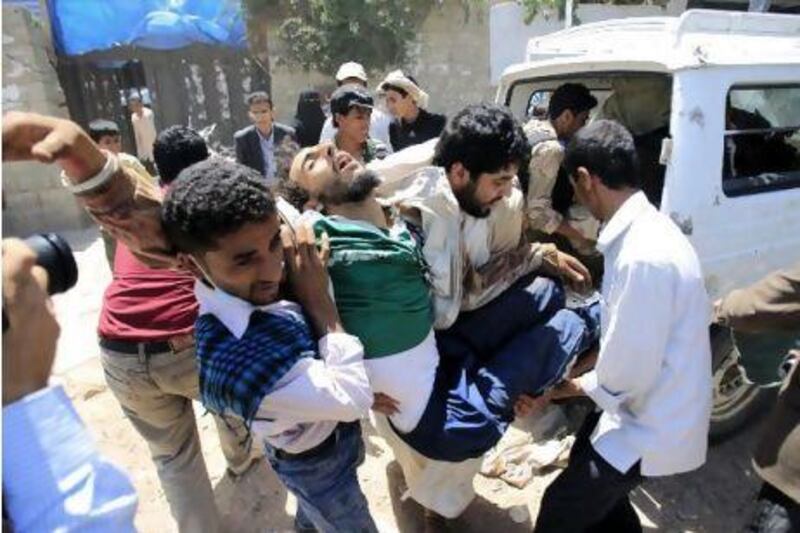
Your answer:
<point x="53" y="254"/>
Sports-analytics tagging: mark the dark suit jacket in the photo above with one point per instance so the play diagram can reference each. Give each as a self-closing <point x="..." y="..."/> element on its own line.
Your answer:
<point x="248" y="145"/>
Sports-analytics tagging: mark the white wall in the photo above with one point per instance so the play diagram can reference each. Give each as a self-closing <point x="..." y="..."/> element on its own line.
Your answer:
<point x="508" y="34"/>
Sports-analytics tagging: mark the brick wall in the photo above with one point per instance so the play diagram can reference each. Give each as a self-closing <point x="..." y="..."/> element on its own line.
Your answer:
<point x="33" y="199"/>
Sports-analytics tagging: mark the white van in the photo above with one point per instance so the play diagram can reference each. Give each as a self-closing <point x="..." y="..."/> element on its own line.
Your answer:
<point x="713" y="100"/>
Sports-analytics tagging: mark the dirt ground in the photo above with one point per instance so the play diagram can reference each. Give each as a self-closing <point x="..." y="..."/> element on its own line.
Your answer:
<point x="715" y="498"/>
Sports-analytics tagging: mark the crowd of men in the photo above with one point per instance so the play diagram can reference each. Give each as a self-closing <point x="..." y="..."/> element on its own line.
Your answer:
<point x="406" y="269"/>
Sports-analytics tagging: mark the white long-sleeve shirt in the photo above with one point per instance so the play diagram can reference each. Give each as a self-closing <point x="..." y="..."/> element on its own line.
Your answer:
<point x="653" y="375"/>
<point x="144" y="130"/>
<point x="309" y="400"/>
<point x="53" y="477"/>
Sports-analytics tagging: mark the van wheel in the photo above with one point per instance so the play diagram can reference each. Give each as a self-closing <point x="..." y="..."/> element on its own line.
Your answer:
<point x="737" y="400"/>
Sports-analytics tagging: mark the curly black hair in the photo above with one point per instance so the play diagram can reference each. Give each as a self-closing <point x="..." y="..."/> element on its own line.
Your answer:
<point x="570" y="96"/>
<point x="293" y="193"/>
<point x="483" y="138"/>
<point x="176" y="148"/>
<point x="212" y="199"/>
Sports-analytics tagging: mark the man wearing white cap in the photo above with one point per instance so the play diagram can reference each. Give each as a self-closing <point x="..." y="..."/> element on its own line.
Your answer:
<point x="352" y="72"/>
<point x="408" y="103"/>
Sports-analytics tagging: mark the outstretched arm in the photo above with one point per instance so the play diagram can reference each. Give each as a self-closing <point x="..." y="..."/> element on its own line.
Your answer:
<point x="125" y="204"/>
<point x="768" y="305"/>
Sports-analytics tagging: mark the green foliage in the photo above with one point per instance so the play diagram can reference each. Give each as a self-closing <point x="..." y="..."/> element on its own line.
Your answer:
<point x="534" y="7"/>
<point x="256" y="7"/>
<point x="531" y="8"/>
<point x="321" y="34"/>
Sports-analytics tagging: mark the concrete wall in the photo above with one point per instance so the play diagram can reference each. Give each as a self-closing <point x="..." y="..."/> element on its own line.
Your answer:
<point x="33" y="198"/>
<point x="450" y="60"/>
<point x="509" y="34"/>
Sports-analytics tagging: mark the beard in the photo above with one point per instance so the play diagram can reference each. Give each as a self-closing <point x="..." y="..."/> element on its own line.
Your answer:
<point x="354" y="191"/>
<point x="468" y="201"/>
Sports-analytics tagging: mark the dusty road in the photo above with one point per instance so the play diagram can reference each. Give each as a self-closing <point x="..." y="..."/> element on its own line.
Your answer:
<point x="716" y="498"/>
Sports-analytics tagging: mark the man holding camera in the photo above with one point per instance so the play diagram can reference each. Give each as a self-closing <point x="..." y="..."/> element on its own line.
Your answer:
<point x="53" y="477"/>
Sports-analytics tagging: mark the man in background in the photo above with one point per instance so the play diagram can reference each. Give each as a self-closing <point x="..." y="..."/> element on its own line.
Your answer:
<point x="408" y="103"/>
<point x="258" y="146"/>
<point x="351" y="108"/>
<point x="773" y="304"/>
<point x="144" y="130"/>
<point x="352" y="73"/>
<point x="550" y="209"/>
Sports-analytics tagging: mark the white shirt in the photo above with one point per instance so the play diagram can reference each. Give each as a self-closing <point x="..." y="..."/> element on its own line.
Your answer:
<point x="144" y="129"/>
<point x="408" y="377"/>
<point x="268" y="154"/>
<point x="653" y="374"/>
<point x="378" y="128"/>
<point x="315" y="394"/>
<point x="54" y="479"/>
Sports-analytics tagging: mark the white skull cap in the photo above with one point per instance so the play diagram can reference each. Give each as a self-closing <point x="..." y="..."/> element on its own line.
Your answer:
<point x="351" y="69"/>
<point x="396" y="78"/>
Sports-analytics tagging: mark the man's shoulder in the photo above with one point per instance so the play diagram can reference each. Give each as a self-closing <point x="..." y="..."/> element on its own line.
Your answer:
<point x="654" y="242"/>
<point x="436" y="118"/>
<point x="284" y="128"/>
<point x="539" y="131"/>
<point x="248" y="130"/>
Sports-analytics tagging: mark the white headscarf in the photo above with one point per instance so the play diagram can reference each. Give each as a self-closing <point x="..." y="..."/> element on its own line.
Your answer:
<point x="398" y="79"/>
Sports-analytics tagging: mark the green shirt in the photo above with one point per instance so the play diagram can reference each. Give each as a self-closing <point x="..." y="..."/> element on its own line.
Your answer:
<point x="378" y="278"/>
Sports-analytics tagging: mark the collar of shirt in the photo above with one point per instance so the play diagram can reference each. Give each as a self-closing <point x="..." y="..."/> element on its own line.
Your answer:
<point x="622" y="219"/>
<point x="232" y="311"/>
<point x="267" y="138"/>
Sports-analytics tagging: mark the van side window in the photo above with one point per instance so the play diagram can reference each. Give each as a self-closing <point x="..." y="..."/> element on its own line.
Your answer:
<point x="537" y="105"/>
<point x="762" y="140"/>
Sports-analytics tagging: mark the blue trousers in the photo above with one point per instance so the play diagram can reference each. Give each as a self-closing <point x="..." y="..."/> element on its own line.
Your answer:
<point x="329" y="498"/>
<point x="523" y="342"/>
<point x="477" y="335"/>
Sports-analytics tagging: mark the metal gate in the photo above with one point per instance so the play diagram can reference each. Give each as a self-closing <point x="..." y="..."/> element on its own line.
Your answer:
<point x="198" y="86"/>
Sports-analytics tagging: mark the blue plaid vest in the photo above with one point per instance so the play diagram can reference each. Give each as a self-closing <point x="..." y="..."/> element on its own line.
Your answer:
<point x="236" y="374"/>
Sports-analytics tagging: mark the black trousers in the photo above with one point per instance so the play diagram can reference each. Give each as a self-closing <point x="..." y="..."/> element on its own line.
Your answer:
<point x="590" y="494"/>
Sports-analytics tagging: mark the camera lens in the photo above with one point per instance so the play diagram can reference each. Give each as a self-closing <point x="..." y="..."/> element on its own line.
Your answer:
<point x="55" y="256"/>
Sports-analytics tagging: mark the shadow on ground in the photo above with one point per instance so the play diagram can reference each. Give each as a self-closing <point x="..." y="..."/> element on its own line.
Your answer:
<point x="717" y="497"/>
<point x="481" y="515"/>
<point x="255" y="499"/>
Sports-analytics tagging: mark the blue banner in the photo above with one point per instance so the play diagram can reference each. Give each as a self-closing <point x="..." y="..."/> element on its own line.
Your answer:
<point x="81" y="26"/>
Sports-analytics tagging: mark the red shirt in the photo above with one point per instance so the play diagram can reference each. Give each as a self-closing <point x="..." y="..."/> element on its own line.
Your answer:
<point x="144" y="304"/>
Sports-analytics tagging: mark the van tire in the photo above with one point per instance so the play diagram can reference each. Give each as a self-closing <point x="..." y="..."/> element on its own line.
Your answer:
<point x="737" y="400"/>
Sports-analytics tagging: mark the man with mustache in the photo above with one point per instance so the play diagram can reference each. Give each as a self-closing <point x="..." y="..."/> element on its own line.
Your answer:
<point x="452" y="408"/>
